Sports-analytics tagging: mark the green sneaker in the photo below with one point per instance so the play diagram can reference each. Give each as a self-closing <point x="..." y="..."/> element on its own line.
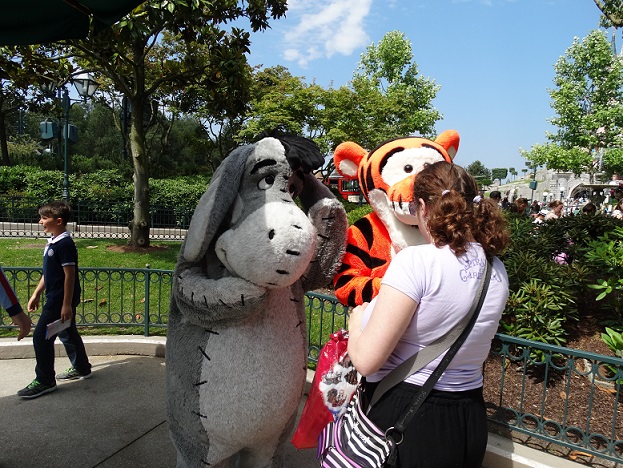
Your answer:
<point x="72" y="374"/>
<point x="36" y="389"/>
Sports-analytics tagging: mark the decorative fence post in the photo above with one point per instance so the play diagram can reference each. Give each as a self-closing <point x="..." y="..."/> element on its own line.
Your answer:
<point x="146" y="314"/>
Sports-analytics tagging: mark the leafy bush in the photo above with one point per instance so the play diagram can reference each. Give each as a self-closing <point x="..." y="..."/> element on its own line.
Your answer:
<point x="538" y="311"/>
<point x="99" y="188"/>
<point x="103" y="186"/>
<point x="614" y="340"/>
<point x="81" y="164"/>
<point x="13" y="179"/>
<point x="575" y="234"/>
<point x="181" y="191"/>
<point x="605" y="257"/>
<point x="549" y="276"/>
<point x="355" y="212"/>
<point x="174" y="200"/>
<point x="26" y="151"/>
<point x="45" y="185"/>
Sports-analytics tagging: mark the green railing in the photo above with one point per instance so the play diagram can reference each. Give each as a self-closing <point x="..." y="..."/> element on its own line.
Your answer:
<point x="535" y="384"/>
<point x="325" y="315"/>
<point x="111" y="297"/>
<point x="538" y="386"/>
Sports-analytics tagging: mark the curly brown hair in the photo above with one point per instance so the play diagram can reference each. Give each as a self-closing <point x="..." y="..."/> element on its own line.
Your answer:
<point x="456" y="211"/>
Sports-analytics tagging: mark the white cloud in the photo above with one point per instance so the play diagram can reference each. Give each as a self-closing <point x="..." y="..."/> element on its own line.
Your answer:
<point x="325" y="28"/>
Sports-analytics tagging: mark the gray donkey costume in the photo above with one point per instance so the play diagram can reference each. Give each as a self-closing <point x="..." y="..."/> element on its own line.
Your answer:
<point x="237" y="343"/>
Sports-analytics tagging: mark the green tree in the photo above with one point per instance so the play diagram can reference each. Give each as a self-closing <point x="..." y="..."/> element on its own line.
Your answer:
<point x="499" y="173"/>
<point x="20" y="89"/>
<point x="612" y="11"/>
<point x="480" y="173"/>
<point x="100" y="144"/>
<point x="280" y="100"/>
<point x="389" y="96"/>
<point x="588" y="101"/>
<point x="12" y="98"/>
<point x="513" y="172"/>
<point x="386" y="98"/>
<point x="171" y="51"/>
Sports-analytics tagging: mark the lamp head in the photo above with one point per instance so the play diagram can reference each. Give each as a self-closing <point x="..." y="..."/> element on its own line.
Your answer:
<point x="85" y="85"/>
<point x="48" y="88"/>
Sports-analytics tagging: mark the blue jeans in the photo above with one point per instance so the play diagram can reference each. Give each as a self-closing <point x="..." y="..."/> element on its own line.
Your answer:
<point x="44" y="348"/>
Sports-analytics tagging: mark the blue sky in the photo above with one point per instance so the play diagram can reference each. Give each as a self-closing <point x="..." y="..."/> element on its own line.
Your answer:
<point x="494" y="59"/>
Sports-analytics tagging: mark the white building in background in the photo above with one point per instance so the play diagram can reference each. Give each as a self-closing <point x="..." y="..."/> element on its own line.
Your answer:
<point x="555" y="185"/>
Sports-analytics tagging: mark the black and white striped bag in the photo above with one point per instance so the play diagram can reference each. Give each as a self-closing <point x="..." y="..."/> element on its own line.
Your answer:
<point x="353" y="441"/>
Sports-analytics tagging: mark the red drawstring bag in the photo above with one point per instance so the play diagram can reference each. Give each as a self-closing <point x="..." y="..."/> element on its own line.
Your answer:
<point x="333" y="386"/>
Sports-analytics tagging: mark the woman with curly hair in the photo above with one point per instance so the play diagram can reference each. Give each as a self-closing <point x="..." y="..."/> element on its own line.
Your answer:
<point x="426" y="292"/>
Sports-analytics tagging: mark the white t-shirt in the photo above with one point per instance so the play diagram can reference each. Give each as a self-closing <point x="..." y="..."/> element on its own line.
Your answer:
<point x="444" y="286"/>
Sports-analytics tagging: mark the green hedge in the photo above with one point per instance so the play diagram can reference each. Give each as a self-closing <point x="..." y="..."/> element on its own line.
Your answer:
<point x="99" y="189"/>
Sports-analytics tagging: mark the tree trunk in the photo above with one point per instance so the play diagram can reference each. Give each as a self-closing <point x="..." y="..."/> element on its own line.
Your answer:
<point x="4" y="148"/>
<point x="140" y="224"/>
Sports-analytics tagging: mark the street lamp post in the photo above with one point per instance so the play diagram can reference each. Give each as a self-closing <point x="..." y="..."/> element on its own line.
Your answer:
<point x="86" y="87"/>
<point x="66" y="106"/>
<point x="533" y="183"/>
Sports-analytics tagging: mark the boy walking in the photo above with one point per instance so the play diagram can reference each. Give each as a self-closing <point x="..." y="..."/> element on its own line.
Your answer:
<point x="62" y="295"/>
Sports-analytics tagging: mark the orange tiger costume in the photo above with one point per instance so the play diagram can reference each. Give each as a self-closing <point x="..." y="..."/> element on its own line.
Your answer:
<point x="386" y="177"/>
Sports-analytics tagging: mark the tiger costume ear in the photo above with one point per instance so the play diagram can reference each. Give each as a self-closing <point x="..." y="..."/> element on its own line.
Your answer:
<point x="347" y="157"/>
<point x="449" y="140"/>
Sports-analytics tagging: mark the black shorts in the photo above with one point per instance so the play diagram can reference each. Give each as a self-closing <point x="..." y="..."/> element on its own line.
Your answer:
<point x="448" y="431"/>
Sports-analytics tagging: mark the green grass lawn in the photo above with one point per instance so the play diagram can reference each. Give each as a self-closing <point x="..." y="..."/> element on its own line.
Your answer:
<point x="96" y="253"/>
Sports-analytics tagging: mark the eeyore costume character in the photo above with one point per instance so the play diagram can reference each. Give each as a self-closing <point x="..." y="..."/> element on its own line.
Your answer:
<point x="237" y="344"/>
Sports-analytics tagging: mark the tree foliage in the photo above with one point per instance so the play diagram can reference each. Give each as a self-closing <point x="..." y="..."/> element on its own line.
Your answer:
<point x="588" y="101"/>
<point x="480" y="173"/>
<point x="392" y="98"/>
<point x="168" y="52"/>
<point x="285" y="102"/>
<point x="22" y="72"/>
<point x="499" y="173"/>
<point x="612" y="11"/>
<point x="386" y="98"/>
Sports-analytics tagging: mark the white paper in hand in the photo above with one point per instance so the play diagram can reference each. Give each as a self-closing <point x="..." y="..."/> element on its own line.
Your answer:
<point x="55" y="327"/>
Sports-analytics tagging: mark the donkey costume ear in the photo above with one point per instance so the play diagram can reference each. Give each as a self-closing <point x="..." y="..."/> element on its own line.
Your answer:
<point x="215" y="203"/>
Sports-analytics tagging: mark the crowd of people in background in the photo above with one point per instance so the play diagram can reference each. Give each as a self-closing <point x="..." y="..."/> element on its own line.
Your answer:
<point x="554" y="209"/>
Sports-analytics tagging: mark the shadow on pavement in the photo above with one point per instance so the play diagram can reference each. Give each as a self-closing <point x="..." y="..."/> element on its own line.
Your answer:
<point x="116" y="419"/>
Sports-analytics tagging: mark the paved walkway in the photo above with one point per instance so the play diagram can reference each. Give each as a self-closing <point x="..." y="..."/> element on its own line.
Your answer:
<point x="117" y="418"/>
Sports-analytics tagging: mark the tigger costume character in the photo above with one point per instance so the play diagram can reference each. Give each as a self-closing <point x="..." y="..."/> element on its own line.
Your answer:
<point x="386" y="177"/>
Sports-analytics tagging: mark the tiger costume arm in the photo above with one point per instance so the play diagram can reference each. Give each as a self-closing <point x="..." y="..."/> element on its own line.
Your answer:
<point x="364" y="263"/>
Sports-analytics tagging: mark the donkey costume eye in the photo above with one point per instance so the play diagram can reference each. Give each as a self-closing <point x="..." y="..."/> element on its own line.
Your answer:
<point x="266" y="183"/>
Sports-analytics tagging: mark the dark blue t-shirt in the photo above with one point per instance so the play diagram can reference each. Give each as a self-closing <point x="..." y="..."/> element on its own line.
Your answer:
<point x="61" y="251"/>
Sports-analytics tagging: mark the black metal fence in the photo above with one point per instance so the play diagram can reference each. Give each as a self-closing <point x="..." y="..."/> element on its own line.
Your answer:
<point x="93" y="219"/>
